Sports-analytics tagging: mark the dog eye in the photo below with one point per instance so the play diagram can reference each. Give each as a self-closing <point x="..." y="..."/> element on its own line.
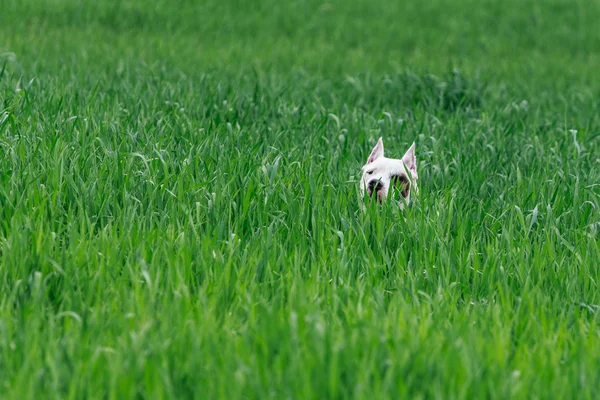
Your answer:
<point x="370" y="172"/>
<point x="402" y="184"/>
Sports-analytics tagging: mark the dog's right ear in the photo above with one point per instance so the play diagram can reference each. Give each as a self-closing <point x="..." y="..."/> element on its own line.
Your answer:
<point x="377" y="151"/>
<point x="410" y="161"/>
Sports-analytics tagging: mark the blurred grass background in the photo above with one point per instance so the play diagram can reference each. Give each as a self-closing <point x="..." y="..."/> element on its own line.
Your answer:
<point x="555" y="39"/>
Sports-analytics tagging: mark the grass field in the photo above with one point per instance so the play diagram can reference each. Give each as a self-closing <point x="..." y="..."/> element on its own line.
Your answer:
<point x="179" y="208"/>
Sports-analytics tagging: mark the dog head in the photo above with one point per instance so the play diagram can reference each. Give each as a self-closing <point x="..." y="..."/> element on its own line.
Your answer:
<point x="382" y="176"/>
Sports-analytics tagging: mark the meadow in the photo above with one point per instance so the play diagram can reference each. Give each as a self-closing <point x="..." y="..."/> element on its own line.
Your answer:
<point x="180" y="216"/>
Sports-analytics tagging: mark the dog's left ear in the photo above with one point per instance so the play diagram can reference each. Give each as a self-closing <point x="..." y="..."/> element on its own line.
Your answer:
<point x="410" y="161"/>
<point x="377" y="151"/>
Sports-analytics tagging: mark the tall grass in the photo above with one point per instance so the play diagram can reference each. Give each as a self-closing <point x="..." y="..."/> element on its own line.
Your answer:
<point x="179" y="208"/>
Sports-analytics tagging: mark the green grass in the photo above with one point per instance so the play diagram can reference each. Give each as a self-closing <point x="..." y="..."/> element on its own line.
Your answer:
<point x="179" y="209"/>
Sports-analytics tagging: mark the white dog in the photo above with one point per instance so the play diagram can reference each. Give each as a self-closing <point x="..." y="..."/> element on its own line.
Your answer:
<point x="381" y="174"/>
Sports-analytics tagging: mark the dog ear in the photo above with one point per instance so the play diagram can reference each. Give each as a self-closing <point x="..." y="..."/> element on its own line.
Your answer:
<point x="377" y="151"/>
<point x="410" y="161"/>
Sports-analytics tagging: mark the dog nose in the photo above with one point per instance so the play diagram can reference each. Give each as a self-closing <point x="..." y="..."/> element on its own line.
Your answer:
<point x="374" y="186"/>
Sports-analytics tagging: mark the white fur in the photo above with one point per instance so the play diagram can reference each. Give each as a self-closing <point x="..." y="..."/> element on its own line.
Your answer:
<point x="381" y="170"/>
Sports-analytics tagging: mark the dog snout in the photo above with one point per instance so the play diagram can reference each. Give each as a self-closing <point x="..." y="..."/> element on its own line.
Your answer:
<point x="374" y="186"/>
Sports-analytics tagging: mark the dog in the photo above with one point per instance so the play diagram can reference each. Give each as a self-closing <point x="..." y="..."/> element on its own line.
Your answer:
<point x="382" y="176"/>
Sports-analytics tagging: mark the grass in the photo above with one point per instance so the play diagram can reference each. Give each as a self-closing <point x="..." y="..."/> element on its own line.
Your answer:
<point x="179" y="209"/>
